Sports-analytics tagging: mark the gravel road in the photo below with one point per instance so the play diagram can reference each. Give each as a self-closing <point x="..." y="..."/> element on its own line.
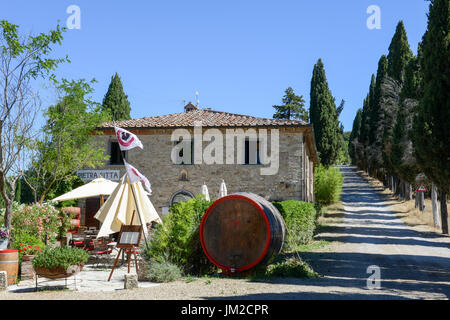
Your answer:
<point x="412" y="264"/>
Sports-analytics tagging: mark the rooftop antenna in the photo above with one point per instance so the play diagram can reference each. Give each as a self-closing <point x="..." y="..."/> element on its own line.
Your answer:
<point x="196" y="98"/>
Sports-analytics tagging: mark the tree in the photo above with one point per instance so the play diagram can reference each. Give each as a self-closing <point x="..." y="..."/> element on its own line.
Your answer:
<point x="292" y="107"/>
<point x="399" y="54"/>
<point x="22" y="60"/>
<point x="363" y="137"/>
<point x="323" y="115"/>
<point x="116" y="101"/>
<point x="431" y="131"/>
<point x="354" y="136"/>
<point x="343" y="156"/>
<point x="403" y="160"/>
<point x="377" y="116"/>
<point x="68" y="142"/>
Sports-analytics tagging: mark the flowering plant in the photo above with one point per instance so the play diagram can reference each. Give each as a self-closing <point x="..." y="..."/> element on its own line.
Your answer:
<point x="4" y="233"/>
<point x="42" y="220"/>
<point x="29" y="249"/>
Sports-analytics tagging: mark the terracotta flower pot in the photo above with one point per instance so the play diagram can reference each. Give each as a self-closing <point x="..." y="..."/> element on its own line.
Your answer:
<point x="58" y="272"/>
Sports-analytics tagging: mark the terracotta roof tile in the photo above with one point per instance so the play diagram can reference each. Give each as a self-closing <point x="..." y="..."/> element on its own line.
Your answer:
<point x="208" y="117"/>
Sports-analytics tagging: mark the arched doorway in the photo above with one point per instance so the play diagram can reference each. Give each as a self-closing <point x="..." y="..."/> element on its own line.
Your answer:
<point x="181" y="195"/>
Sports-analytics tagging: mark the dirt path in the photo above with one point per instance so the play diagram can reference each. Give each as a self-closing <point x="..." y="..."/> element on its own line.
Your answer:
<point x="413" y="264"/>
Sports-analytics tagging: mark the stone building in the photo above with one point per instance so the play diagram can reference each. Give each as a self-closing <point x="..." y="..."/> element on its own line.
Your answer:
<point x="273" y="158"/>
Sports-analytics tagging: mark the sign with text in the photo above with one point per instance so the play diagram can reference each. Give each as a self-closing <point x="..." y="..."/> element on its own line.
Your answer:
<point x="89" y="175"/>
<point x="129" y="237"/>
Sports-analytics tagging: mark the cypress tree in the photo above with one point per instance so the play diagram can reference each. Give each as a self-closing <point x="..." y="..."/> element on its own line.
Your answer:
<point x="431" y="130"/>
<point x="370" y="107"/>
<point x="398" y="57"/>
<point x="403" y="160"/>
<point x="376" y="115"/>
<point x="324" y="116"/>
<point x="354" y="136"/>
<point x="116" y="101"/>
<point x="17" y="196"/>
<point x="399" y="53"/>
<point x="293" y="107"/>
<point x="411" y="84"/>
<point x="363" y="138"/>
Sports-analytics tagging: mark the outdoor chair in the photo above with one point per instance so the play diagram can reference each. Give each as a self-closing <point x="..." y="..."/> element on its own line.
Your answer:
<point x="78" y="244"/>
<point x="101" y="251"/>
<point x="77" y="241"/>
<point x="88" y="244"/>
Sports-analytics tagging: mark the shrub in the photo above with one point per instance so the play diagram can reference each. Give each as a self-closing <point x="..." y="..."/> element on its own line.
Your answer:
<point x="300" y="220"/>
<point x="292" y="267"/>
<point x="177" y="239"/>
<point x="60" y="257"/>
<point x="163" y="271"/>
<point x="44" y="221"/>
<point x="23" y="241"/>
<point x="29" y="249"/>
<point x="327" y="184"/>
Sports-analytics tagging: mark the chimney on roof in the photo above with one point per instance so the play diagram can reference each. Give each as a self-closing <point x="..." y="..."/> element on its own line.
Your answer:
<point x="190" y="107"/>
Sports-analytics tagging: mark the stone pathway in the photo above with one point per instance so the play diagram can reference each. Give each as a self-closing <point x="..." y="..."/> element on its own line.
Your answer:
<point x="90" y="279"/>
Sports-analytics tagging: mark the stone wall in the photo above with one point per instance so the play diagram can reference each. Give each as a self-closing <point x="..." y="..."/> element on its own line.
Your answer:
<point x="154" y="161"/>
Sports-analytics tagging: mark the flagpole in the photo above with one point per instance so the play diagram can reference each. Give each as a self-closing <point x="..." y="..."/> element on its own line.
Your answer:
<point x="132" y="190"/>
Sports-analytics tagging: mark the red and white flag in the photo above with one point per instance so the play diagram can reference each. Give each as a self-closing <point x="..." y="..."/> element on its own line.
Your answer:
<point x="135" y="176"/>
<point x="127" y="140"/>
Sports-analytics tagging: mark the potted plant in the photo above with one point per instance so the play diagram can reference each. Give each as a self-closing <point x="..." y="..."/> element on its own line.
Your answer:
<point x="4" y="235"/>
<point x="56" y="263"/>
<point x="28" y="251"/>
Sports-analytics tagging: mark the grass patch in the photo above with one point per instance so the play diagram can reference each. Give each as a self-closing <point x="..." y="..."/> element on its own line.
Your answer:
<point x="330" y="217"/>
<point x="292" y="267"/>
<point x="313" y="246"/>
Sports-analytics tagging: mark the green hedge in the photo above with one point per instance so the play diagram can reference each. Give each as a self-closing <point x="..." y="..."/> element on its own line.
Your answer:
<point x="300" y="219"/>
<point x="177" y="239"/>
<point x="327" y="184"/>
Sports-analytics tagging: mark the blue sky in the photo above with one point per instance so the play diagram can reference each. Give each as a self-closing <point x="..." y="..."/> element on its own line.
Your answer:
<point x="239" y="55"/>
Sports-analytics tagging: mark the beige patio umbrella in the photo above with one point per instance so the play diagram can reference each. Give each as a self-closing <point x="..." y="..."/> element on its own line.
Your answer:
<point x="119" y="207"/>
<point x="98" y="187"/>
<point x="222" y="190"/>
<point x="205" y="191"/>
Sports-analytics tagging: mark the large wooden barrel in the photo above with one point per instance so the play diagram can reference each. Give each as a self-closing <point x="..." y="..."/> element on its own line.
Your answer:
<point x="9" y="262"/>
<point x="240" y="231"/>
